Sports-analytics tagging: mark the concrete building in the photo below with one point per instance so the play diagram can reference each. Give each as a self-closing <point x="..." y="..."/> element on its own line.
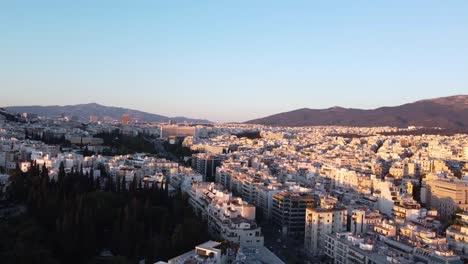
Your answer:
<point x="407" y="209"/>
<point x="178" y="131"/>
<point x="387" y="195"/>
<point x="93" y="119"/>
<point x="446" y="195"/>
<point x="457" y="235"/>
<point x="125" y="119"/>
<point x="228" y="218"/>
<point x="212" y="252"/>
<point x="345" y="248"/>
<point x="322" y="221"/>
<point x="357" y="221"/>
<point x="289" y="211"/>
<point x="206" y="165"/>
<point x="209" y="252"/>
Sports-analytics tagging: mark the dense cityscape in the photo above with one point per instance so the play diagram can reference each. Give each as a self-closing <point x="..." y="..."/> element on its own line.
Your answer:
<point x="233" y="132"/>
<point x="126" y="191"/>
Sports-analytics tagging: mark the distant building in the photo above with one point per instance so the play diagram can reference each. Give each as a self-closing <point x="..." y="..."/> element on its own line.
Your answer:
<point x="177" y="131"/>
<point x="93" y="119"/>
<point x="86" y="140"/>
<point x="125" y="119"/>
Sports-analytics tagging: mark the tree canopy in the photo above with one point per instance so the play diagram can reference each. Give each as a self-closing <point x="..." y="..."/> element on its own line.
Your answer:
<point x="71" y="220"/>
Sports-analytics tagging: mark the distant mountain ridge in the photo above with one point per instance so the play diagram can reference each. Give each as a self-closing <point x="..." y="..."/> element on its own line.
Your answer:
<point x="446" y="112"/>
<point x="84" y="111"/>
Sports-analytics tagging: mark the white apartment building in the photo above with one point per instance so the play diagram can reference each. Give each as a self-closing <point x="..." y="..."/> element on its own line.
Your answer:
<point x="320" y="222"/>
<point x="386" y="229"/>
<point x="345" y="248"/>
<point x="387" y="194"/>
<point x="406" y="209"/>
<point x="358" y="223"/>
<point x="457" y="235"/>
<point x="228" y="218"/>
<point x="210" y="252"/>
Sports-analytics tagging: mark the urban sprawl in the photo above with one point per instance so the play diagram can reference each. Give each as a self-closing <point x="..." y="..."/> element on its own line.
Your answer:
<point x="326" y="194"/>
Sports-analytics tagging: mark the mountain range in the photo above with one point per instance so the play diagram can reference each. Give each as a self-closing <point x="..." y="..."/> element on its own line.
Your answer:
<point x="84" y="111"/>
<point x="445" y="112"/>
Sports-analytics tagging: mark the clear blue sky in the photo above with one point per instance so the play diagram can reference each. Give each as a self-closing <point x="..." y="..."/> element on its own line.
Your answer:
<point x="231" y="60"/>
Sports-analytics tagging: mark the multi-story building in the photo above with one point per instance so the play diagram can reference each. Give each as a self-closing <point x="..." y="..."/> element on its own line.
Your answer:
<point x="385" y="229"/>
<point x="212" y="252"/>
<point x="387" y="195"/>
<point x="357" y="221"/>
<point x="177" y="131"/>
<point x="457" y="235"/>
<point x="406" y="209"/>
<point x="372" y="218"/>
<point x="206" y="165"/>
<point x="228" y="218"/>
<point x="320" y="222"/>
<point x="417" y="234"/>
<point x="264" y="199"/>
<point x="223" y="177"/>
<point x="345" y="248"/>
<point x="125" y="119"/>
<point x="289" y="211"/>
<point x="446" y="195"/>
<point x="208" y="252"/>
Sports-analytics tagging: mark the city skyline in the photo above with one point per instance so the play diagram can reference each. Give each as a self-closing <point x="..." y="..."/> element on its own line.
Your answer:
<point x="220" y="132"/>
<point x="231" y="62"/>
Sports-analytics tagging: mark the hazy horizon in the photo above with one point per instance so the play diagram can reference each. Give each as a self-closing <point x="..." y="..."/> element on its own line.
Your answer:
<point x="233" y="61"/>
<point x="217" y="121"/>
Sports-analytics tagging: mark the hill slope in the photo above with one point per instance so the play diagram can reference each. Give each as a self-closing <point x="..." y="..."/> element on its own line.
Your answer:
<point x="446" y="112"/>
<point x="85" y="110"/>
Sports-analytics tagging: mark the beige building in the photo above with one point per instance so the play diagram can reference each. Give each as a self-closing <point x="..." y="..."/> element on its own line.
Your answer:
<point x="446" y="195"/>
<point x="177" y="131"/>
<point x="126" y="119"/>
<point x="406" y="209"/>
<point x="386" y="229"/>
<point x="457" y="235"/>
<point x="321" y="222"/>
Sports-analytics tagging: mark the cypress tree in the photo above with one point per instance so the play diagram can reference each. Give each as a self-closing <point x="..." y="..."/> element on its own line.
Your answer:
<point x="123" y="187"/>
<point x="133" y="185"/>
<point x="61" y="179"/>
<point x="119" y="184"/>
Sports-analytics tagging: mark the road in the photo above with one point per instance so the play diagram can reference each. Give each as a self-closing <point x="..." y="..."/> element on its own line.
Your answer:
<point x="288" y="249"/>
